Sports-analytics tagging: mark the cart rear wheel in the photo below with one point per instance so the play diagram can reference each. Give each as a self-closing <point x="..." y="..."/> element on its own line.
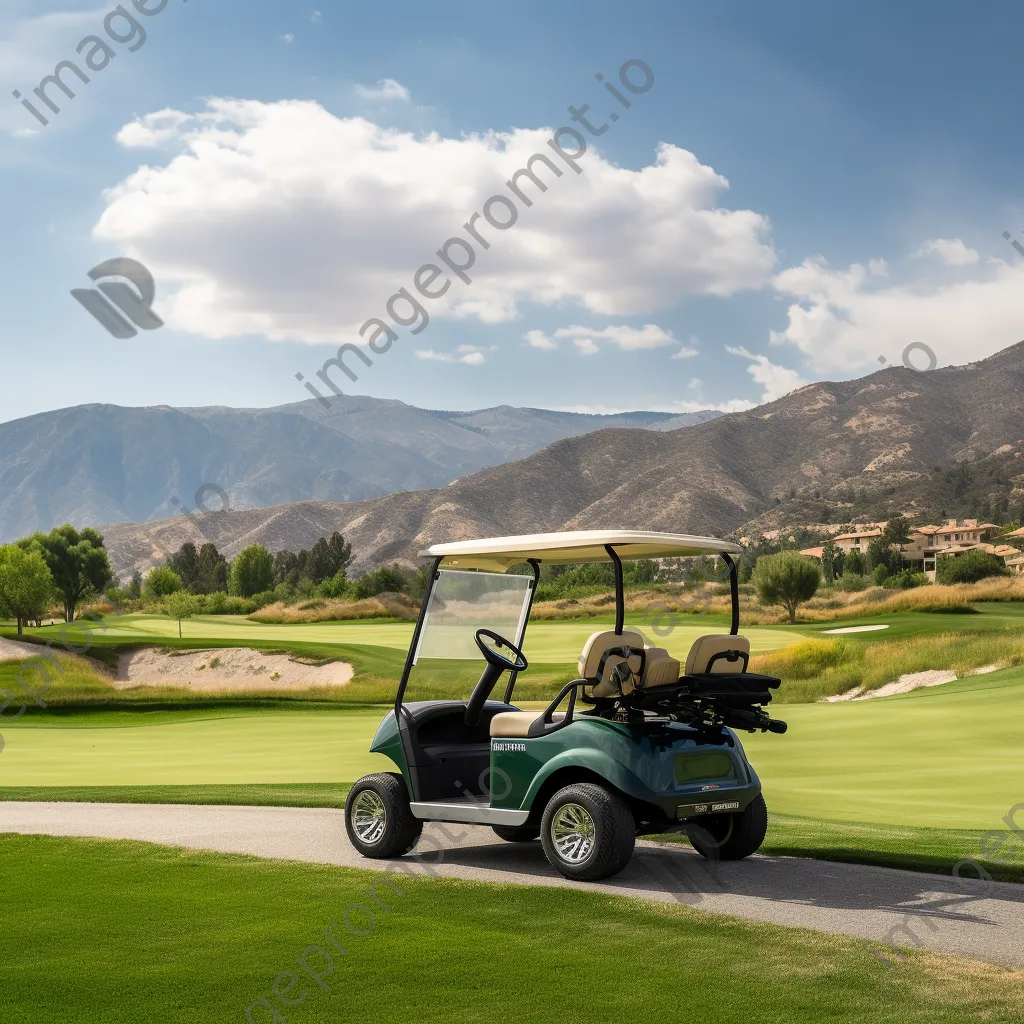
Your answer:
<point x="731" y="836"/>
<point x="517" y="833"/>
<point x="588" y="832"/>
<point x="378" y="818"/>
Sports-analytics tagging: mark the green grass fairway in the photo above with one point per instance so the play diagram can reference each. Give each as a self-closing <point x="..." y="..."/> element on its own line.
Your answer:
<point x="325" y="746"/>
<point x="546" y="642"/>
<point x="945" y="757"/>
<point x="126" y="933"/>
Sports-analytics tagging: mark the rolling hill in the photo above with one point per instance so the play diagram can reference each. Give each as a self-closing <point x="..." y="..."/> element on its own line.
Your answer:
<point x="828" y="452"/>
<point x="101" y="463"/>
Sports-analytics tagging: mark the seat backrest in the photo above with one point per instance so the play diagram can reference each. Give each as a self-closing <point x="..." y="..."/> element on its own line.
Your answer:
<point x="702" y="657"/>
<point x="595" y="651"/>
<point x="660" y="669"/>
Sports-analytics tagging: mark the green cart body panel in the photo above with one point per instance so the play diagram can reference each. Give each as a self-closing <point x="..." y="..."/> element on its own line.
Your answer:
<point x="388" y="741"/>
<point x="661" y="763"/>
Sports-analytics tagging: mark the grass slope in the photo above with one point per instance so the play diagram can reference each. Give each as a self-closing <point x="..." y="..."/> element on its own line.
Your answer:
<point x="127" y="932"/>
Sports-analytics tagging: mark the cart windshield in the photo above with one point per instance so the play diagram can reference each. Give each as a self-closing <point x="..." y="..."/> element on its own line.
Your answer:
<point x="463" y="602"/>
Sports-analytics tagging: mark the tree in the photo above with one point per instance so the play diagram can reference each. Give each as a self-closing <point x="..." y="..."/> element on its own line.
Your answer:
<point x="213" y="571"/>
<point x="135" y="586"/>
<point x="327" y="558"/>
<point x="162" y="581"/>
<point x="26" y="586"/>
<point x="252" y="571"/>
<point x="853" y="563"/>
<point x="787" y="579"/>
<point x="181" y="605"/>
<point x="77" y="562"/>
<point x="969" y="567"/>
<point x="185" y="563"/>
<point x="831" y="560"/>
<point x="897" y="531"/>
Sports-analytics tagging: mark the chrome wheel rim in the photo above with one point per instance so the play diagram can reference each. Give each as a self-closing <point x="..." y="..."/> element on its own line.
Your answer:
<point x="369" y="817"/>
<point x="573" y="833"/>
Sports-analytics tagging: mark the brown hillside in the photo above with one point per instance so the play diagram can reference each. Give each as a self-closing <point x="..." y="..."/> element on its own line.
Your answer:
<point x="796" y="459"/>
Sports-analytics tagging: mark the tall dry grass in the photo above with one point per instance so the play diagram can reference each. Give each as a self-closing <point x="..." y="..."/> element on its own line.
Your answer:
<point x="384" y="606"/>
<point x="814" y="669"/>
<point x="826" y="606"/>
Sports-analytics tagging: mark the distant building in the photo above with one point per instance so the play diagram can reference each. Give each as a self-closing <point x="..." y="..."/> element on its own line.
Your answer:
<point x="927" y="544"/>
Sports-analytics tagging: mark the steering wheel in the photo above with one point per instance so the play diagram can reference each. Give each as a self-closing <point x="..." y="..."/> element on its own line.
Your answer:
<point x="501" y="655"/>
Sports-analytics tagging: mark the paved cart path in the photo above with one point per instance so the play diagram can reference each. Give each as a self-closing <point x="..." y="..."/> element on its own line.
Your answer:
<point x="932" y="911"/>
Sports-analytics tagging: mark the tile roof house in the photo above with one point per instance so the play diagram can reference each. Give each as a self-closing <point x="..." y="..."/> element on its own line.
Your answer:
<point x="929" y="543"/>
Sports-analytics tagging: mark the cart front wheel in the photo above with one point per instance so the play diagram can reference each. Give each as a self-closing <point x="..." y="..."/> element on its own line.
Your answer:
<point x="378" y="819"/>
<point x="588" y="832"/>
<point x="730" y="836"/>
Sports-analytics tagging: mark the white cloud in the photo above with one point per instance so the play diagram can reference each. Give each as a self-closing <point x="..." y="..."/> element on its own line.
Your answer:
<point x="471" y="355"/>
<point x="282" y="220"/>
<point x="386" y="89"/>
<point x="776" y="380"/>
<point x="952" y="251"/>
<point x="696" y="385"/>
<point x="688" y="352"/>
<point x="25" y="133"/>
<point x="586" y="346"/>
<point x="289" y="37"/>
<point x="30" y="48"/>
<point x="316" y="17"/>
<point x="538" y="339"/>
<point x="154" y="129"/>
<point x="629" y="339"/>
<point x="843" y="320"/>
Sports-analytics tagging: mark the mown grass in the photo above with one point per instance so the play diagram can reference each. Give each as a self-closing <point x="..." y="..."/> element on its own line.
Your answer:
<point x="129" y="932"/>
<point x="278" y="794"/>
<point x="818" y="668"/>
<point x="933" y="850"/>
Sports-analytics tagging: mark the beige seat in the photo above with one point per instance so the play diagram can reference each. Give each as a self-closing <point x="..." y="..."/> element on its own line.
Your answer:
<point x="516" y="724"/>
<point x="704" y="649"/>
<point x="595" y="650"/>
<point x="660" y="669"/>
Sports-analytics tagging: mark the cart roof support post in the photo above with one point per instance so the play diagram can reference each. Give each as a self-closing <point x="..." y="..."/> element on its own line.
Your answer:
<point x="620" y="597"/>
<point x="734" y="590"/>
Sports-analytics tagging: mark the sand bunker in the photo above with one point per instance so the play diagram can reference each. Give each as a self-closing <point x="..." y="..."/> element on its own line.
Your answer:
<point x="906" y="683"/>
<point x="229" y="669"/>
<point x="15" y="650"/>
<point x="854" y="629"/>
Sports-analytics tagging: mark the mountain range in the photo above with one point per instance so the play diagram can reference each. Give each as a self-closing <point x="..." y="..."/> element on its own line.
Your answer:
<point x="897" y="440"/>
<point x="102" y="463"/>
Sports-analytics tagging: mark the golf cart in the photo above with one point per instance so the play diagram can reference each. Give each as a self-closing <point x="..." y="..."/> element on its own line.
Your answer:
<point x="643" y="745"/>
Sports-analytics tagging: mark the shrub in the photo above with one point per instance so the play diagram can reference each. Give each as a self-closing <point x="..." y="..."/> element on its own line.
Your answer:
<point x="335" y="587"/>
<point x="219" y="603"/>
<point x="906" y="580"/>
<point x="879" y="574"/>
<point x="969" y="567"/>
<point x="386" y="579"/>
<point x="162" y="581"/>
<point x="786" y="579"/>
<point x="851" y="581"/>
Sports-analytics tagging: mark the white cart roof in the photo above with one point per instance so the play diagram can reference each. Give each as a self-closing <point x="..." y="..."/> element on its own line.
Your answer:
<point x="498" y="553"/>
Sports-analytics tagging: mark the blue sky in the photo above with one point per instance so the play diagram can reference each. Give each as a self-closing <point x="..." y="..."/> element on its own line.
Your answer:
<point x="803" y="189"/>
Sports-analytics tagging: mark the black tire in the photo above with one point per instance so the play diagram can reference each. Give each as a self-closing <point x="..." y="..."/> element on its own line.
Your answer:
<point x="385" y="798"/>
<point x="730" y="836"/>
<point x="609" y="818"/>
<point x="517" y="833"/>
